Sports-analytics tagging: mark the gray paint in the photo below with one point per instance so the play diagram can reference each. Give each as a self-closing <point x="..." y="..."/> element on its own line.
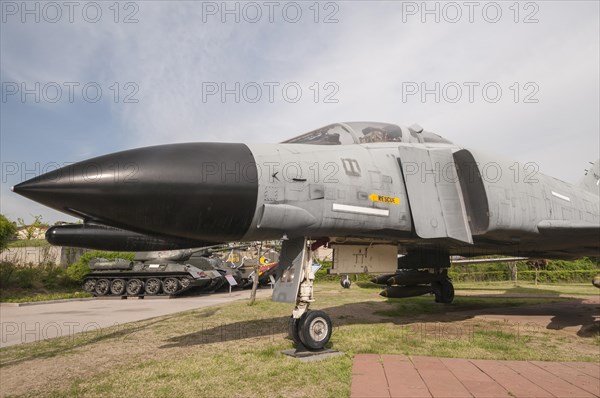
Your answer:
<point x="491" y="205"/>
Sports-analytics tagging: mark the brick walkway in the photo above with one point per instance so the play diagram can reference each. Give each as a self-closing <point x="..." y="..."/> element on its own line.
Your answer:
<point x="415" y="377"/>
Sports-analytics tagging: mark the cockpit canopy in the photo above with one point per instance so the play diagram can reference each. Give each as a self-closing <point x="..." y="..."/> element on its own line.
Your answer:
<point x="365" y="132"/>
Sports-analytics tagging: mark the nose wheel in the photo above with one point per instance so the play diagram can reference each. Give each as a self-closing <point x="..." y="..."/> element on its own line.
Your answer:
<point x="312" y="330"/>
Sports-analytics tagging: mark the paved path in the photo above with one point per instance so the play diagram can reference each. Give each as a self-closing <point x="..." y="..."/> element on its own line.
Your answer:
<point x="39" y="322"/>
<point x="415" y="377"/>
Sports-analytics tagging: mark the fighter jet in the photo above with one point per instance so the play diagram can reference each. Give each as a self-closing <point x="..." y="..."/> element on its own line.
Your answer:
<point x="384" y="197"/>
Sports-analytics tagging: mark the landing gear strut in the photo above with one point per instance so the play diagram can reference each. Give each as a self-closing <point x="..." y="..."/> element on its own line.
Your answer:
<point x="308" y="329"/>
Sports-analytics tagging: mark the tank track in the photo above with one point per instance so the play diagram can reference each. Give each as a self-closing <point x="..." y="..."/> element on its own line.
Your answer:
<point x="137" y="284"/>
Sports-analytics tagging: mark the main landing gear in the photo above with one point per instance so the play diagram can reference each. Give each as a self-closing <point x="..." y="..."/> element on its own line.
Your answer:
<point x="443" y="289"/>
<point x="412" y="283"/>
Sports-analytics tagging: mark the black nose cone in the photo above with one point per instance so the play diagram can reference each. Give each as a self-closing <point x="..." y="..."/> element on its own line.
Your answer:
<point x="201" y="191"/>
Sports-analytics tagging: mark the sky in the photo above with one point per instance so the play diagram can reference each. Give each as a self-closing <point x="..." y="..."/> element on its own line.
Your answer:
<point x="82" y="79"/>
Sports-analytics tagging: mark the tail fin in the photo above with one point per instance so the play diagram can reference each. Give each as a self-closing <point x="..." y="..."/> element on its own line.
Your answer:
<point x="591" y="181"/>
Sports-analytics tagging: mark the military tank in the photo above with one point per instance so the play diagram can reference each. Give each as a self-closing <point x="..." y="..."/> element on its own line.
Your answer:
<point x="244" y="268"/>
<point x="170" y="273"/>
<point x="150" y="274"/>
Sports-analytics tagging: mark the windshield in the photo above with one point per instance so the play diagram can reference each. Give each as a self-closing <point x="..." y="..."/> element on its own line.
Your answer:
<point x="364" y="133"/>
<point x="376" y="132"/>
<point x="334" y="134"/>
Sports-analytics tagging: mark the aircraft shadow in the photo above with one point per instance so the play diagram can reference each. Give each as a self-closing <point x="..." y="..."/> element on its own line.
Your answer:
<point x="570" y="313"/>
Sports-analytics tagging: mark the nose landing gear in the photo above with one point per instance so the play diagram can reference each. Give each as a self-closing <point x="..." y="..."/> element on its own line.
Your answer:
<point x="309" y="329"/>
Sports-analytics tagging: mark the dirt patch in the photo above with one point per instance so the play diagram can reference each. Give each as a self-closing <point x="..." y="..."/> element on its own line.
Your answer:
<point x="364" y="312"/>
<point x="181" y="335"/>
<point x="577" y="317"/>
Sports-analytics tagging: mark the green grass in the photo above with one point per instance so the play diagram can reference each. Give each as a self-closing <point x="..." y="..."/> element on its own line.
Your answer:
<point x="28" y="243"/>
<point x="26" y="296"/>
<point x="575" y="289"/>
<point x="234" y="349"/>
<point x="422" y="305"/>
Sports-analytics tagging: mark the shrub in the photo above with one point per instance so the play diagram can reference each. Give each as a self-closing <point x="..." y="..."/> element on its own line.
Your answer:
<point x="53" y="277"/>
<point x="79" y="269"/>
<point x="25" y="277"/>
<point x="7" y="231"/>
<point x="43" y="277"/>
<point x="323" y="275"/>
<point x="6" y="273"/>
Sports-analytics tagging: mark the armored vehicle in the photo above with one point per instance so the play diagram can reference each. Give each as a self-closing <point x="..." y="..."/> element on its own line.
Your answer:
<point x="150" y="274"/>
<point x="164" y="273"/>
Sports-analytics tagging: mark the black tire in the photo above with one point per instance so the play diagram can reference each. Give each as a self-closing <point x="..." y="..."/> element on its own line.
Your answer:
<point x="134" y="287"/>
<point x="170" y="285"/>
<point x="117" y="287"/>
<point x="346" y="283"/>
<point x="89" y="285"/>
<point x="293" y="326"/>
<point x="102" y="287"/>
<point x="153" y="286"/>
<point x="315" y="330"/>
<point x="444" y="292"/>
<point x="293" y="330"/>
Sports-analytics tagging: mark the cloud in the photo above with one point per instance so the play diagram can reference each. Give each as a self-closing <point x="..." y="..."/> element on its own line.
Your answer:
<point x="369" y="56"/>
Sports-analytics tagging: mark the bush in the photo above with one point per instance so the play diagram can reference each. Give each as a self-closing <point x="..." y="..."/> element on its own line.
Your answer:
<point x="26" y="277"/>
<point x="489" y="276"/>
<point x="54" y="277"/>
<point x="7" y="231"/>
<point x="77" y="271"/>
<point x="584" y="263"/>
<point x="43" y="277"/>
<point x="81" y="268"/>
<point x="556" y="271"/>
<point x="560" y="276"/>
<point x="323" y="275"/>
<point x="6" y="272"/>
<point x="582" y="270"/>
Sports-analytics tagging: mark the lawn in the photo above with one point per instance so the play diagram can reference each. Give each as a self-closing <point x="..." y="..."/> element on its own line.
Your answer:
<point x="235" y="349"/>
<point x="34" y="295"/>
<point x="28" y="243"/>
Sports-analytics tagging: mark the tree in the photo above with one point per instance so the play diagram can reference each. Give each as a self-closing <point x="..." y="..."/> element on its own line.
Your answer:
<point x="255" y="278"/>
<point x="31" y="229"/>
<point x="537" y="265"/>
<point x="7" y="231"/>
